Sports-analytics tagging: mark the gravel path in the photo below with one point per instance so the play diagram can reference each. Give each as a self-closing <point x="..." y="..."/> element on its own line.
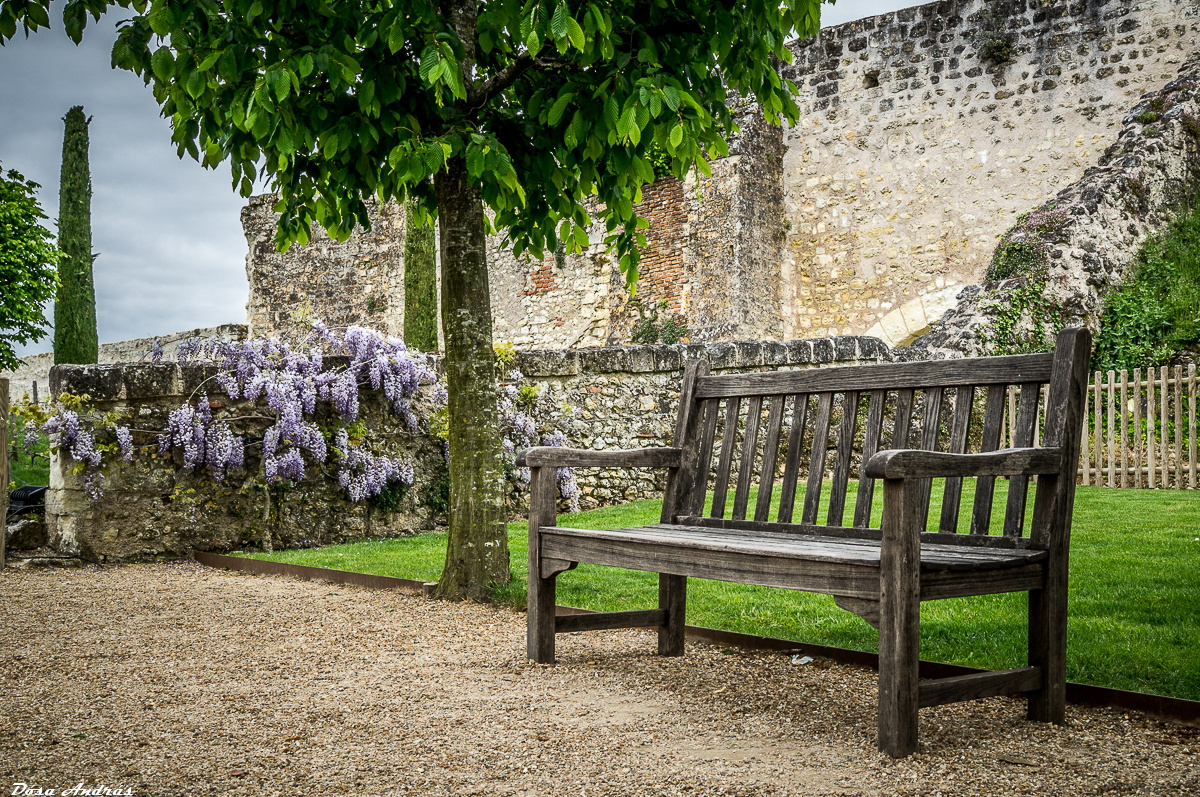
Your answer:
<point x="174" y="679"/>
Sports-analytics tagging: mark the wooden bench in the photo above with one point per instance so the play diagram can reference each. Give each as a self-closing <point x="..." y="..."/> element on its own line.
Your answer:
<point x="903" y="423"/>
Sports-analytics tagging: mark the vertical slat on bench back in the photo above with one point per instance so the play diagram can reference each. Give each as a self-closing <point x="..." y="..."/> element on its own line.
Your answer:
<point x="685" y="485"/>
<point x="816" y="465"/>
<point x="993" y="418"/>
<point x="964" y="398"/>
<point x="746" y="465"/>
<point x="871" y="436"/>
<point x="845" y="455"/>
<point x="930" y="427"/>
<point x="725" y="463"/>
<point x="791" y="467"/>
<point x="766" y="482"/>
<point x="1014" y="515"/>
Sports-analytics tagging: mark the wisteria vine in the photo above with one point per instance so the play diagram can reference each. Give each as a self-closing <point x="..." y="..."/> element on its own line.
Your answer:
<point x="288" y="383"/>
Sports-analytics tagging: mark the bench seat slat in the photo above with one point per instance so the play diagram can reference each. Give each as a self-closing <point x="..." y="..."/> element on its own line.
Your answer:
<point x="815" y="548"/>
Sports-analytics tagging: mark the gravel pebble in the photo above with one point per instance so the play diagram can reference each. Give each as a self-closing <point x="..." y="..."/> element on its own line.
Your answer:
<point x="176" y="679"/>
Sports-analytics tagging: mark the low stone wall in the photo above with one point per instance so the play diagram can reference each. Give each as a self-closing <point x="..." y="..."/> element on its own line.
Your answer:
<point x="602" y="398"/>
<point x="36" y="367"/>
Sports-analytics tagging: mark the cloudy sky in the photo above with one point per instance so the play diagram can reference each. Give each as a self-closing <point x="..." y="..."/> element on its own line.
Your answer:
<point x="170" y="243"/>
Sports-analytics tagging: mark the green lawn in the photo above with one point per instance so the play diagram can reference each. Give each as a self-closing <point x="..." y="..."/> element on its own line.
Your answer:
<point x="1135" y="586"/>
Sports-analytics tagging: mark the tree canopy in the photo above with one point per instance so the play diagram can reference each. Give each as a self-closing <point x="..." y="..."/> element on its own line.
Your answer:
<point x="28" y="259"/>
<point x="544" y="112"/>
<point x="561" y="100"/>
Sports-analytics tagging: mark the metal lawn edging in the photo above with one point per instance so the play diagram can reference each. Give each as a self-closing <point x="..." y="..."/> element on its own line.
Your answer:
<point x="1174" y="709"/>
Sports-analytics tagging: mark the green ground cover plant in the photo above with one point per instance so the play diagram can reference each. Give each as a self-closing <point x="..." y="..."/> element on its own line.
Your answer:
<point x="1156" y="313"/>
<point x="1134" y="589"/>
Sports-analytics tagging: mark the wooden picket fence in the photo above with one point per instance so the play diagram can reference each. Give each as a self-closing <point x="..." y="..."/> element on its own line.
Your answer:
<point x="1141" y="429"/>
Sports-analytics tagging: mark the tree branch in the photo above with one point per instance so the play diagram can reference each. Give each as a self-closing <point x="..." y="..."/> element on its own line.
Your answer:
<point x="480" y="95"/>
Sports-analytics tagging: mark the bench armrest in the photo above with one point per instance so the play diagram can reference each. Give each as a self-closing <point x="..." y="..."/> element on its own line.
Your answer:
<point x="914" y="464"/>
<point x="558" y="457"/>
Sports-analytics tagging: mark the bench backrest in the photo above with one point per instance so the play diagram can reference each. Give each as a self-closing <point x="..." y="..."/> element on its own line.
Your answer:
<point x="785" y="434"/>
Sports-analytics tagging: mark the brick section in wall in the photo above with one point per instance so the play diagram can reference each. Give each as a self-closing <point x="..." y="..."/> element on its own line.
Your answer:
<point x="661" y="275"/>
<point x="541" y="278"/>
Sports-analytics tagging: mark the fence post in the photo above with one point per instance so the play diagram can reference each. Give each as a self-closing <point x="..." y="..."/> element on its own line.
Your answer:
<point x="1192" y="426"/>
<point x="4" y="477"/>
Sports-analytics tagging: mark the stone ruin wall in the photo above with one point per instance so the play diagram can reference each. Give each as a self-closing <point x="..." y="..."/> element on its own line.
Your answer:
<point x="357" y="281"/>
<point x="1135" y="191"/>
<point x="913" y="153"/>
<point x="617" y="397"/>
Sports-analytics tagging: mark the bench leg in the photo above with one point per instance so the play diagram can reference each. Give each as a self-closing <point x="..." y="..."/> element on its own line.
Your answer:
<point x="672" y="598"/>
<point x="899" y="620"/>
<point x="539" y="620"/>
<point x="1048" y="650"/>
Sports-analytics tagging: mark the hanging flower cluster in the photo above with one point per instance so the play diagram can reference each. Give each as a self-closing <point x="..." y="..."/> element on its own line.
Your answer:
<point x="289" y="383"/>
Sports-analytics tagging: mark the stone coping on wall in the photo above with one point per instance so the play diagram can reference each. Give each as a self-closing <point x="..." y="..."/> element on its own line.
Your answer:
<point x="736" y="355"/>
<point x="148" y="381"/>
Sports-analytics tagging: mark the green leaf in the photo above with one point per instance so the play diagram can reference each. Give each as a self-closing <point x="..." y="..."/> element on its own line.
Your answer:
<point x="533" y="42"/>
<point x="627" y="121"/>
<point x="559" y="108"/>
<point x="195" y="85"/>
<point x="281" y="84"/>
<point x="576" y="34"/>
<point x="676" y="137"/>
<point x="208" y="62"/>
<point x="671" y="95"/>
<point x="306" y="65"/>
<point x="558" y="23"/>
<point x="162" y="63"/>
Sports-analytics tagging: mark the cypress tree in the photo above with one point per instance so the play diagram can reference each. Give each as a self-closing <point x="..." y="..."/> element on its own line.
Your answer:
<point x="75" y="338"/>
<point x="420" y="281"/>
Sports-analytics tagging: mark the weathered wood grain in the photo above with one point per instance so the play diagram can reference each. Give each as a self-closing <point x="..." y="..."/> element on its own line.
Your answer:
<point x="682" y="481"/>
<point x="871" y="436"/>
<point x="964" y="399"/>
<point x="791" y="466"/>
<point x="1018" y="484"/>
<point x="603" y="621"/>
<point x="985" y="488"/>
<point x="539" y="619"/>
<point x="816" y="464"/>
<point x="899" y="618"/>
<point x="916" y="464"/>
<point x="766" y="482"/>
<point x="841" y="463"/>
<point x="725" y="462"/>
<point x="888" y="376"/>
<point x="1052" y="510"/>
<point x="979" y="685"/>
<point x="741" y="496"/>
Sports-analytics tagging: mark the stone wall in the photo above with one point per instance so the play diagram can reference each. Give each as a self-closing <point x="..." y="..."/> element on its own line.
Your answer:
<point x="36" y="367"/>
<point x="357" y="281"/>
<point x="713" y="252"/>
<point x="1151" y="170"/>
<point x="152" y="506"/>
<point x="602" y="398"/>
<point x="924" y="133"/>
<point x="914" y="151"/>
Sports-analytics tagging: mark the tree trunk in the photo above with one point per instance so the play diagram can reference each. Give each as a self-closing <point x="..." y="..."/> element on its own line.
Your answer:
<point x="477" y="552"/>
